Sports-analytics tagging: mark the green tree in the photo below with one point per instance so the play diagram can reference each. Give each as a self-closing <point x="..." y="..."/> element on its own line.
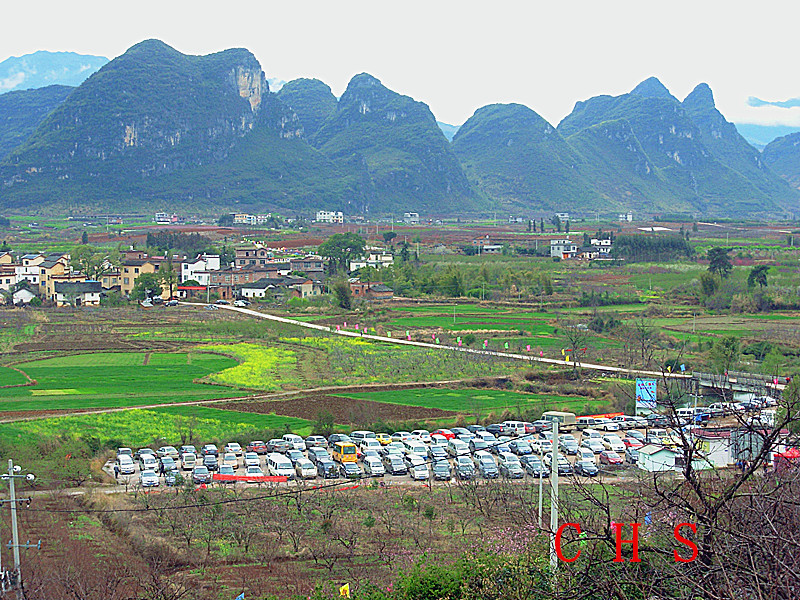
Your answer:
<point x="343" y="294"/>
<point x="388" y="236"/>
<point x="758" y="275"/>
<point x="341" y="249"/>
<point x="168" y="275"/>
<point x="405" y="255"/>
<point x="709" y="284"/>
<point x="94" y="262"/>
<point x="773" y="363"/>
<point x="147" y="285"/>
<point x="719" y="263"/>
<point x="725" y="354"/>
<point x="5" y="247"/>
<point x="84" y="238"/>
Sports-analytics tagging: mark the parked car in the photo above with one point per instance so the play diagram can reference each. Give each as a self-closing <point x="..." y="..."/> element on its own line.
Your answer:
<point x="510" y="467"/>
<point x="541" y="425"/>
<point x="317" y="453"/>
<point x="460" y="431"/>
<point x="520" y="447"/>
<point x="385" y="439"/>
<point x="496" y="429"/>
<point x="464" y="468"/>
<point x="222" y="301"/>
<point x="475" y="428"/>
<point x="533" y="466"/>
<point x="441" y="470"/>
<point x="148" y="478"/>
<point x="437" y="452"/>
<point x="316" y="441"/>
<point x="394" y="464"/>
<point x="350" y="470"/>
<point x="253" y="471"/>
<point x="167" y="464"/>
<point x="372" y="444"/>
<point x="338" y="437"/>
<point x="373" y="467"/>
<point x="401" y="436"/>
<point x="209" y="449"/>
<point x="637" y="435"/>
<point x="170" y="451"/>
<point x="188" y="461"/>
<point x="609" y="457"/>
<point x="632" y="455"/>
<point x="486" y="466"/>
<point x="423" y="434"/>
<point x="228" y="471"/>
<point x="632" y="442"/>
<point x="456" y="447"/>
<point x="593" y="444"/>
<point x="326" y="469"/>
<point x="587" y="468"/>
<point x="211" y="462"/>
<point x="604" y="424"/>
<point x="149" y="462"/>
<point x="278" y="445"/>
<point x="568" y="444"/>
<point x="251" y="459"/>
<point x="417" y="467"/>
<point x="369" y="453"/>
<point x="295" y="455"/>
<point x="127" y="451"/>
<point x="257" y="446"/>
<point x="623" y="421"/>
<point x="200" y="475"/>
<point x="446" y="433"/>
<point x="241" y="303"/>
<point x="439" y="440"/>
<point x="585" y="454"/>
<point x="476" y="444"/>
<point x="126" y="464"/>
<point x="612" y="442"/>
<point x="415" y="447"/>
<point x="305" y="469"/>
<point x="173" y="478"/>
<point x="171" y="303"/>
<point x="233" y="447"/>
<point x="141" y="452"/>
<point x="656" y="420"/>
<point x="542" y="446"/>
<point x="398" y="448"/>
<point x="188" y="449"/>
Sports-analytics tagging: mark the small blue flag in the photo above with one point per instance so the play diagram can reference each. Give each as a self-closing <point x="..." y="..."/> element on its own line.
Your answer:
<point x="648" y="518"/>
<point x="240" y="597"/>
<point x="683" y="368"/>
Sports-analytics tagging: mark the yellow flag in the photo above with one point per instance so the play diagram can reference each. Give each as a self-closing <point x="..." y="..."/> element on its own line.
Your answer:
<point x="344" y="591"/>
<point x="566" y="358"/>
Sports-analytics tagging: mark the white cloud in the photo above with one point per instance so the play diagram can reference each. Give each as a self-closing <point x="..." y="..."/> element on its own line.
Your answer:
<point x="9" y="83"/>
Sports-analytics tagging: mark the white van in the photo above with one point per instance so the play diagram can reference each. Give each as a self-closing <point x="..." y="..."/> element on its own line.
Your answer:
<point x="305" y="469"/>
<point x="370" y="444"/>
<point x="296" y="441"/>
<point x="415" y="447"/>
<point x="188" y="461"/>
<point x="592" y="433"/>
<point x="456" y="447"/>
<point x="515" y="428"/>
<point x="279" y="466"/>
<point x="359" y="436"/>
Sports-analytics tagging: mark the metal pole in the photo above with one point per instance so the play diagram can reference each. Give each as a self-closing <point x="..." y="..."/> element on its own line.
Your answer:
<point x="554" y="497"/>
<point x="541" y="476"/>
<point x="14" y="531"/>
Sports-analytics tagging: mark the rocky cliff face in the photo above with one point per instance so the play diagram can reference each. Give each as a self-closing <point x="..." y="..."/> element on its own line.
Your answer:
<point x="22" y="112"/>
<point x="311" y="100"/>
<point x="151" y="111"/>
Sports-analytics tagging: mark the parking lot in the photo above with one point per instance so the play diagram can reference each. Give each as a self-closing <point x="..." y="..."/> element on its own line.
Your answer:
<point x="461" y="455"/>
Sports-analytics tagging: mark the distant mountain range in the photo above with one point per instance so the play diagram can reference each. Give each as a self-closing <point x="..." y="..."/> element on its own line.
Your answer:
<point x="42" y="69"/>
<point x="156" y="128"/>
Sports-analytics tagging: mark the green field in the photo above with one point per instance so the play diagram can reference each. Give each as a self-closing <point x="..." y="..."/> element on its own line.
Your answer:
<point x="168" y="425"/>
<point x="108" y="380"/>
<point x="472" y="400"/>
<point x="11" y="377"/>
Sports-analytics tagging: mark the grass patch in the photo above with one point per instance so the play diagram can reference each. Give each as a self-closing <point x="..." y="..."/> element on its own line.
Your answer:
<point x="473" y="401"/>
<point x="144" y="427"/>
<point x="11" y="377"/>
<point x="261" y="367"/>
<point x="109" y="380"/>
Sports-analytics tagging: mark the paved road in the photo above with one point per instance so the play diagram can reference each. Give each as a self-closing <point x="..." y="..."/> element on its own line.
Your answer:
<point x="404" y="342"/>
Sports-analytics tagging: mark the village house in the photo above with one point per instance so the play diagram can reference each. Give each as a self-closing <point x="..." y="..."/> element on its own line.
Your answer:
<point x="8" y="271"/>
<point x="370" y="290"/>
<point x="132" y="269"/>
<point x="563" y="249"/>
<point x="377" y="258"/>
<point x="201" y="263"/>
<point x="329" y="216"/>
<point x="86" y="293"/>
<point x="281" y="288"/>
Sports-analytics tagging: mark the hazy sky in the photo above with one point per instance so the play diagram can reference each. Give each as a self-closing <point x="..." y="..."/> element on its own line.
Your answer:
<point x="459" y="56"/>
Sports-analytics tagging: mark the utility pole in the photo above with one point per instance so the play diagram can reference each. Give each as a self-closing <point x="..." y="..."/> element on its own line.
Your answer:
<point x="554" y="498"/>
<point x="541" y="476"/>
<point x="15" y="577"/>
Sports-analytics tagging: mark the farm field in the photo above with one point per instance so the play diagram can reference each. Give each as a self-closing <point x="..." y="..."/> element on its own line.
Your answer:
<point x="109" y="380"/>
<point x="480" y="401"/>
<point x="11" y="377"/>
<point x="168" y="425"/>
